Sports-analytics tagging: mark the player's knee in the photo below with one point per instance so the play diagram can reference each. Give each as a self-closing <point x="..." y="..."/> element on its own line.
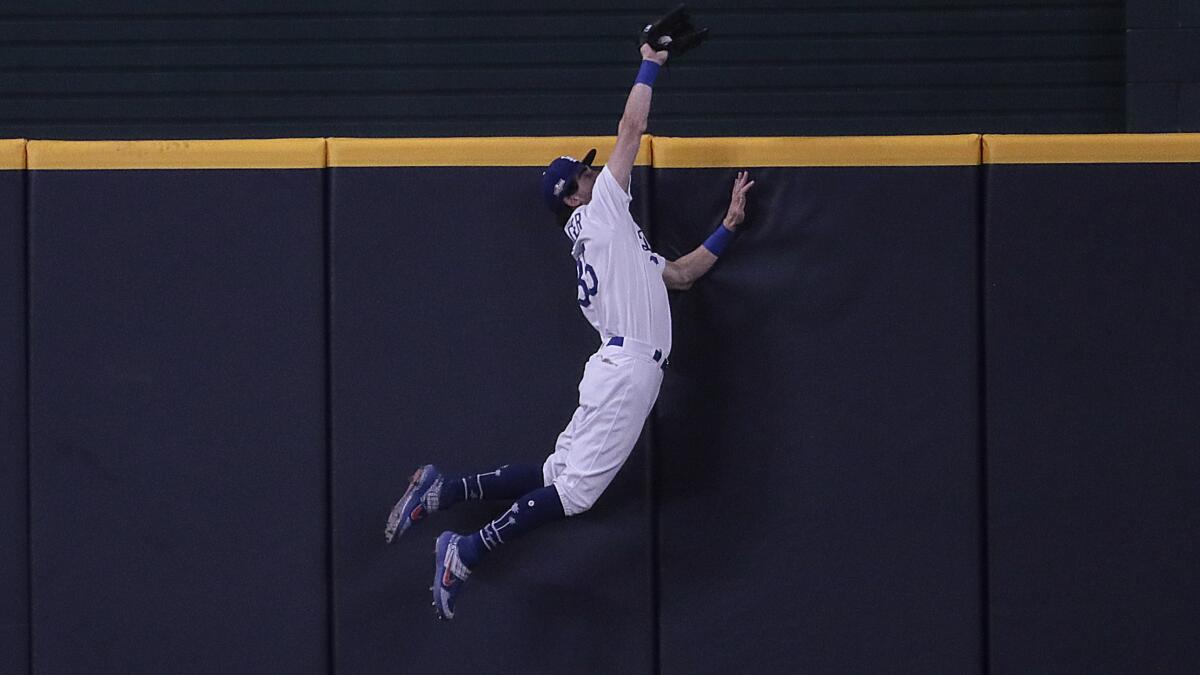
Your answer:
<point x="582" y="505"/>
<point x="574" y="501"/>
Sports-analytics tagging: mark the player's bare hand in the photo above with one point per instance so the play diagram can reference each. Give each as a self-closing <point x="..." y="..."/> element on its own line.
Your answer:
<point x="737" y="203"/>
<point x="648" y="54"/>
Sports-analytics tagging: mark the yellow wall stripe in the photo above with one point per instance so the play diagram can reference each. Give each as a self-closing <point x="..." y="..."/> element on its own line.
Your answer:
<point x="1091" y="148"/>
<point x="662" y="152"/>
<point x="687" y="153"/>
<point x="279" y="153"/>
<point x="12" y="154"/>
<point x="496" y="151"/>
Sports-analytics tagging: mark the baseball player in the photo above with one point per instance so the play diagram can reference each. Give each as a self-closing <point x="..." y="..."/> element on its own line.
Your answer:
<point x="622" y="291"/>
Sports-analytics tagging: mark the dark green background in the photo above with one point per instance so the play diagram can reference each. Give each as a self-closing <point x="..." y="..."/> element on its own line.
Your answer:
<point x="253" y="68"/>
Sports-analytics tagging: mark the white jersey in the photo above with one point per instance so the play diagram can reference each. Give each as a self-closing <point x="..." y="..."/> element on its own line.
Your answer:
<point x="621" y="289"/>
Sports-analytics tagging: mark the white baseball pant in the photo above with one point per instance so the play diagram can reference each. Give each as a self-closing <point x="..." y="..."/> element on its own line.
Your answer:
<point x="617" y="391"/>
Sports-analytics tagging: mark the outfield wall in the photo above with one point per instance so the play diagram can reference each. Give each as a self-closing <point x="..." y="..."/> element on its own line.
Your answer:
<point x="14" y="456"/>
<point x="935" y="411"/>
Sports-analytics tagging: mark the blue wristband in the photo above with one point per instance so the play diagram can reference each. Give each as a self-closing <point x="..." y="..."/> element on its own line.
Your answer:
<point x="719" y="240"/>
<point x="647" y="73"/>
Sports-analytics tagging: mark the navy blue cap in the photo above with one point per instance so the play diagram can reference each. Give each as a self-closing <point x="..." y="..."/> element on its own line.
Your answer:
<point x="558" y="180"/>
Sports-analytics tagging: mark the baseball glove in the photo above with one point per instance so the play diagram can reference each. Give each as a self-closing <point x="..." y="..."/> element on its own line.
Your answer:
<point x="674" y="33"/>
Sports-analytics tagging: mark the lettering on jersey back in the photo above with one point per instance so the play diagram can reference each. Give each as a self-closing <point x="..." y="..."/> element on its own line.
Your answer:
<point x="574" y="226"/>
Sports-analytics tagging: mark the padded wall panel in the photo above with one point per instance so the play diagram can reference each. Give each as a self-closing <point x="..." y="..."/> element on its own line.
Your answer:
<point x="178" y="420"/>
<point x="14" y="474"/>
<point x="818" y="441"/>
<point x="457" y="339"/>
<point x="1092" y="372"/>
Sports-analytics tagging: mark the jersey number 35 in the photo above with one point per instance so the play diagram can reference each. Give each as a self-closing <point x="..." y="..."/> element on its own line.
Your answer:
<point x="585" y="272"/>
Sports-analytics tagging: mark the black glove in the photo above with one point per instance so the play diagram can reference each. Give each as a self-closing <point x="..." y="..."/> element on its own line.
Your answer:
<point x="674" y="33"/>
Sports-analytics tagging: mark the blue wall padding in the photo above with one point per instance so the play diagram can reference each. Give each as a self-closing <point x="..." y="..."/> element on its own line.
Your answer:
<point x="818" y="440"/>
<point x="179" y="461"/>
<point x="457" y="339"/>
<point x="1092" y="372"/>
<point x="14" y="474"/>
<point x="233" y="373"/>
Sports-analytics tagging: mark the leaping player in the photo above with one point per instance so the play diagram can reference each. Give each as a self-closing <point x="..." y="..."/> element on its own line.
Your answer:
<point x="622" y="290"/>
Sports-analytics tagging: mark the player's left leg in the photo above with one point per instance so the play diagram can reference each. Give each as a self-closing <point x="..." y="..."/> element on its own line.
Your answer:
<point x="430" y="490"/>
<point x="506" y="482"/>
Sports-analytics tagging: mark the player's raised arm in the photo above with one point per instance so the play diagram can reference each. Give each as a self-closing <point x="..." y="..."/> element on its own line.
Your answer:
<point x="679" y="275"/>
<point x="634" y="120"/>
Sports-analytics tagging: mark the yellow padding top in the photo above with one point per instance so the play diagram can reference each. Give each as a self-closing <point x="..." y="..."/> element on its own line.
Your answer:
<point x="662" y="152"/>
<point x="12" y="154"/>
<point x="689" y="153"/>
<point x="497" y="151"/>
<point x="1091" y="149"/>
<point x="278" y="153"/>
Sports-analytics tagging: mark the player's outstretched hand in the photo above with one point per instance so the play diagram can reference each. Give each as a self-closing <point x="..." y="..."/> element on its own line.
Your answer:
<point x="674" y="32"/>
<point x="737" y="203"/>
<point x="648" y="54"/>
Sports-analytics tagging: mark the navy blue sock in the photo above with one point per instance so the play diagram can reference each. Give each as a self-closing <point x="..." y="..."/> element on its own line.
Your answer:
<point x="528" y="513"/>
<point x="508" y="482"/>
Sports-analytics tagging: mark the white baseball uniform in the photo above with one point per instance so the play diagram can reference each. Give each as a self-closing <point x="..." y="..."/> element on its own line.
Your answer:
<point x="622" y="294"/>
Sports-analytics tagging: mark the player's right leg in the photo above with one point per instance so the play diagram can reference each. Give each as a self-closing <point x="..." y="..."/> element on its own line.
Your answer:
<point x="456" y="555"/>
<point x="454" y="552"/>
<point x="431" y="490"/>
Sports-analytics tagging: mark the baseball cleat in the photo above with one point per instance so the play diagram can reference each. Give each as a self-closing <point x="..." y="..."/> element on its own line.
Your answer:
<point x="418" y="501"/>
<point x="449" y="574"/>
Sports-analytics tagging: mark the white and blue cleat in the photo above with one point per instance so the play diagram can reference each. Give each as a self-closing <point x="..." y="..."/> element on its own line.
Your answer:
<point x="418" y="501"/>
<point x="449" y="574"/>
